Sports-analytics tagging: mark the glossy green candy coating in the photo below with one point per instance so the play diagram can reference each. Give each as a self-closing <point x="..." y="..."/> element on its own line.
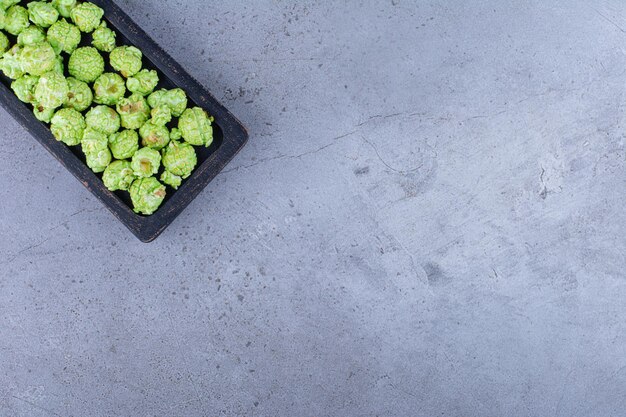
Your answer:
<point x="144" y="82"/>
<point x="109" y="88"/>
<point x="172" y="180"/>
<point x="68" y="126"/>
<point x="64" y="37"/>
<point x="118" y="176"/>
<point x="86" y="64"/>
<point x="126" y="60"/>
<point x="175" y="99"/>
<point x="154" y="136"/>
<point x="146" y="162"/>
<point x="64" y="7"/>
<point x="103" y="119"/>
<point x="180" y="159"/>
<point x="4" y="43"/>
<point x="38" y="59"/>
<point x="87" y="16"/>
<point x="42" y="113"/>
<point x="124" y="144"/>
<point x="161" y="115"/>
<point x="16" y="20"/>
<point x="98" y="161"/>
<point x="79" y="96"/>
<point x="147" y="195"/>
<point x="51" y="90"/>
<point x="31" y="36"/>
<point x="134" y="111"/>
<point x="24" y="88"/>
<point x="103" y="38"/>
<point x="93" y="141"/>
<point x="3" y="18"/>
<point x="195" y="126"/>
<point x="42" y="14"/>
<point x="175" y="134"/>
<point x="10" y="63"/>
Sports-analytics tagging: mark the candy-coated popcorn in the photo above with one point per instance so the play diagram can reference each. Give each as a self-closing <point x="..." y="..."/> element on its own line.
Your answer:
<point x="103" y="38"/>
<point x="134" y="111"/>
<point x="146" y="162"/>
<point x="68" y="126"/>
<point x="86" y="64"/>
<point x="180" y="159"/>
<point x="118" y="176"/>
<point x="79" y="96"/>
<point x="124" y="144"/>
<point x="126" y="60"/>
<point x="64" y="37"/>
<point x="87" y="16"/>
<point x="195" y="126"/>
<point x="147" y="195"/>
<point x="51" y="90"/>
<point x="109" y="88"/>
<point x="144" y="82"/>
<point x="103" y="119"/>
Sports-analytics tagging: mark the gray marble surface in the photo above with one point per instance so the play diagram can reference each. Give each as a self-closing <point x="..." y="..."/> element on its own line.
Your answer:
<point x="429" y="219"/>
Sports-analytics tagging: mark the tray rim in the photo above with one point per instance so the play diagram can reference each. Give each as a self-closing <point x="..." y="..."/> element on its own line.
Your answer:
<point x="145" y="228"/>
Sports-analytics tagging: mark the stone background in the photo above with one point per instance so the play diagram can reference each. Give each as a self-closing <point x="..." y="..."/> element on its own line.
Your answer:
<point x="429" y="219"/>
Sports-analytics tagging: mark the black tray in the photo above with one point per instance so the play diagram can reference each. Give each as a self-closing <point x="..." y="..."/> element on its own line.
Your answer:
<point x="229" y="133"/>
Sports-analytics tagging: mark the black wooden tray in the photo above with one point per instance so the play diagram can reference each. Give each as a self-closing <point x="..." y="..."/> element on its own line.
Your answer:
<point x="229" y="134"/>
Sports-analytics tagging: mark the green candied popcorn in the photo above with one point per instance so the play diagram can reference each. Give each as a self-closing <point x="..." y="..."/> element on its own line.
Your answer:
<point x="16" y="20"/>
<point x="144" y="82"/>
<point x="64" y="7"/>
<point x="87" y="16"/>
<point x="5" y="4"/>
<point x="161" y="115"/>
<point x="109" y="88"/>
<point x="103" y="119"/>
<point x="98" y="161"/>
<point x="147" y="195"/>
<point x="180" y="159"/>
<point x="24" y="88"/>
<point x="124" y="144"/>
<point x="195" y="126"/>
<point x="86" y="64"/>
<point x="4" y="43"/>
<point x="10" y="63"/>
<point x="118" y="176"/>
<point x="146" y="162"/>
<point x="175" y="134"/>
<point x="42" y="14"/>
<point x="42" y="113"/>
<point x="103" y="38"/>
<point x="175" y="99"/>
<point x="68" y="126"/>
<point x="30" y="36"/>
<point x="93" y="141"/>
<point x="51" y="90"/>
<point x="79" y="96"/>
<point x="3" y="18"/>
<point x="38" y="59"/>
<point x="64" y="37"/>
<point x="126" y="60"/>
<point x="134" y="111"/>
<point x="172" y="180"/>
<point x="154" y="136"/>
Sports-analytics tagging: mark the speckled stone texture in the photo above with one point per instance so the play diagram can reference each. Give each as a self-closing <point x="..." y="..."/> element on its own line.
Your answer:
<point x="428" y="220"/>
